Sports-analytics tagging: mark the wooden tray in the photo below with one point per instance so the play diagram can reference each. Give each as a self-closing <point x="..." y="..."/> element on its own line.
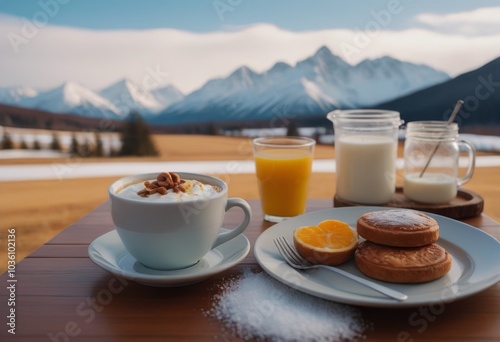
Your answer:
<point x="466" y="204"/>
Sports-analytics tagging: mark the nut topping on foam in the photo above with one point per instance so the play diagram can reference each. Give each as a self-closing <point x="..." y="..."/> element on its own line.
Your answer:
<point x="164" y="182"/>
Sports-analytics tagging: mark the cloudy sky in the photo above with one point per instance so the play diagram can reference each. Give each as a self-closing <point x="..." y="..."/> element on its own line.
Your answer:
<point x="96" y="43"/>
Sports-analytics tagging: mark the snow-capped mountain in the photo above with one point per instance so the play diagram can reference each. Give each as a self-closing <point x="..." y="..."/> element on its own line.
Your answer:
<point x="167" y="95"/>
<point x="127" y="95"/>
<point x="313" y="86"/>
<point x="17" y="96"/>
<point x="73" y="98"/>
<point x="113" y="102"/>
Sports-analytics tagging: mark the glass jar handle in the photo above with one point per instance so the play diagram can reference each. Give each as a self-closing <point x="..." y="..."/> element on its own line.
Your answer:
<point x="471" y="151"/>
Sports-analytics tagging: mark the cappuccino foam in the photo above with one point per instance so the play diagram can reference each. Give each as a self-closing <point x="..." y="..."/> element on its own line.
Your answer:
<point x="194" y="190"/>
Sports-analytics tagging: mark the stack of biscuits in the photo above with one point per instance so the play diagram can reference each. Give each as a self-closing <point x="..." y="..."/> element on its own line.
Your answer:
<point x="400" y="247"/>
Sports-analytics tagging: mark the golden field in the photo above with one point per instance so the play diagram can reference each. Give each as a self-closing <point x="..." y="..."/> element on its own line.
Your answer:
<point x="41" y="209"/>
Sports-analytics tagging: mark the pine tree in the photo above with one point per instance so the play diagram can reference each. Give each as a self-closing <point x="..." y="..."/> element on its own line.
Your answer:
<point x="98" y="149"/>
<point x="55" y="145"/>
<point x="211" y="129"/>
<point x="74" y="147"/>
<point x="23" y="145"/>
<point x="85" y="149"/>
<point x="292" y="130"/>
<point x="136" y="138"/>
<point x="7" y="143"/>
<point x="36" y="145"/>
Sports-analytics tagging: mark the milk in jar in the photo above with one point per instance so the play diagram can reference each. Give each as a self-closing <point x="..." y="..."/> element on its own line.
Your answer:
<point x="366" y="168"/>
<point x="431" y="153"/>
<point x="432" y="187"/>
<point x="365" y="154"/>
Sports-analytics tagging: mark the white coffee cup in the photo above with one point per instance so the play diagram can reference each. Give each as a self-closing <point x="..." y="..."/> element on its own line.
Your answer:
<point x="173" y="235"/>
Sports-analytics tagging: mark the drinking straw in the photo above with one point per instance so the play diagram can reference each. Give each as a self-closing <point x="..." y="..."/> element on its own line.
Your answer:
<point x="450" y="120"/>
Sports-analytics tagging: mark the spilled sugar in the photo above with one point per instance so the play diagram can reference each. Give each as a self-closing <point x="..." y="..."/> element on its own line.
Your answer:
<point x="259" y="307"/>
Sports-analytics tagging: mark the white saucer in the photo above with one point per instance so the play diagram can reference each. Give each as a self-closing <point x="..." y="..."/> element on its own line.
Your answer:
<point x="108" y="252"/>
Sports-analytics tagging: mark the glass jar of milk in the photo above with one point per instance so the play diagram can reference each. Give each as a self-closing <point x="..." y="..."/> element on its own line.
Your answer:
<point x="366" y="142"/>
<point x="432" y="151"/>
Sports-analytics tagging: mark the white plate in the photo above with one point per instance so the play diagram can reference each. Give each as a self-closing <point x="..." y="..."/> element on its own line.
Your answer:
<point x="475" y="267"/>
<point x="108" y="252"/>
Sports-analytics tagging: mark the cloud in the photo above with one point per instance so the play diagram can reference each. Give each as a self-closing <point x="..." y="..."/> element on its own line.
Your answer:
<point x="98" y="58"/>
<point x="481" y="21"/>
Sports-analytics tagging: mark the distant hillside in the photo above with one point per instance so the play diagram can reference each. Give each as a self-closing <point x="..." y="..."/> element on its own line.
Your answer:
<point x="480" y="89"/>
<point x="12" y="116"/>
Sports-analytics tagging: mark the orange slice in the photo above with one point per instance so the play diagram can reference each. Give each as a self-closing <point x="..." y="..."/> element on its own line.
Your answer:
<point x="331" y="242"/>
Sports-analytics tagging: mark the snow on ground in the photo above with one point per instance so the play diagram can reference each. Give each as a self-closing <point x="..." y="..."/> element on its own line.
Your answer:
<point x="110" y="140"/>
<point x="17" y="154"/>
<point x="76" y="169"/>
<point x="488" y="143"/>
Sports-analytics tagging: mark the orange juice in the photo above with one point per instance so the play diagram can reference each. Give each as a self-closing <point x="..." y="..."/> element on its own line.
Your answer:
<point x="283" y="176"/>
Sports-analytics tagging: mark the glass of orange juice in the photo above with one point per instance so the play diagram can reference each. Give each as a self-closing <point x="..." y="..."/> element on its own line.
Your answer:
<point x="283" y="166"/>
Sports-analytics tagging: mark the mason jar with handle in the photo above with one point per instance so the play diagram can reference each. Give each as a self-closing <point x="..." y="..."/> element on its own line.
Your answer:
<point x="431" y="169"/>
<point x="366" y="142"/>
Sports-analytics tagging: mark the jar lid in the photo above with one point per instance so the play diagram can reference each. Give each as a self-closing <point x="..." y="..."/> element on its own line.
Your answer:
<point x="371" y="119"/>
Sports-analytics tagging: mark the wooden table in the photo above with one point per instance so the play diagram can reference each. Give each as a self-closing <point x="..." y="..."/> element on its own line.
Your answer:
<point x="61" y="295"/>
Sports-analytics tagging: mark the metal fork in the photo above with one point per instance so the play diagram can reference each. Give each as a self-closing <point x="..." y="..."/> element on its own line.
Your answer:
<point x="293" y="259"/>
